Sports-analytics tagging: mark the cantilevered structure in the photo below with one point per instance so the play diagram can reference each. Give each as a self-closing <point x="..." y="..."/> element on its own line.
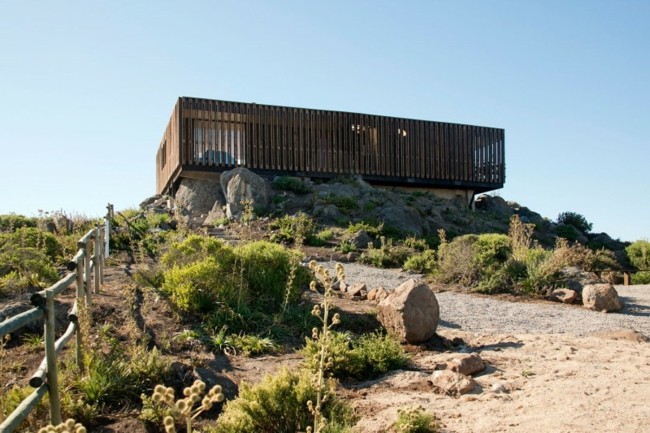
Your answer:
<point x="206" y="137"/>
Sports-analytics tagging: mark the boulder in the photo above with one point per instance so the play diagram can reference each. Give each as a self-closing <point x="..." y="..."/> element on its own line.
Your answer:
<point x="452" y="383"/>
<point x="217" y="212"/>
<point x="360" y="239"/>
<point x="576" y="279"/>
<point x="566" y="296"/>
<point x="468" y="364"/>
<point x="242" y="184"/>
<point x="377" y="294"/>
<point x="196" y="196"/>
<point x="356" y="289"/>
<point x="601" y="297"/>
<point x="403" y="218"/>
<point x="411" y="313"/>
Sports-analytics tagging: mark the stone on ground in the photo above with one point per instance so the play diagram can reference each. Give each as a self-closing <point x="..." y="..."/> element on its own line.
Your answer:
<point x="601" y="297"/>
<point x="242" y="184"/>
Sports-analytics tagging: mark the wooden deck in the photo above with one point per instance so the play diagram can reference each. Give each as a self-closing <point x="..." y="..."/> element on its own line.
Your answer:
<point x="213" y="136"/>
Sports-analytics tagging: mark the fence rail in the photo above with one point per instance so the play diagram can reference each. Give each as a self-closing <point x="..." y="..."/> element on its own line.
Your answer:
<point x="88" y="267"/>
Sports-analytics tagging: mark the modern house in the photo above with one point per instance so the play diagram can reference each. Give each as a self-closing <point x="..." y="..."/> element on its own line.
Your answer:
<point x="206" y="137"/>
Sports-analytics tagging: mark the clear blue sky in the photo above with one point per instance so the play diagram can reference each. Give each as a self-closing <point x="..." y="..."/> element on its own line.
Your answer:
<point x="87" y="87"/>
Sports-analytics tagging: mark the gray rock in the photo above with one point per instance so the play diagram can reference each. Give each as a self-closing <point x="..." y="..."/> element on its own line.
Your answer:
<point x="197" y="196"/>
<point x="601" y="297"/>
<point x="575" y="279"/>
<point x="242" y="184"/>
<point x="217" y="212"/>
<point x="411" y="313"/>
<point x="360" y="239"/>
<point x="403" y="218"/>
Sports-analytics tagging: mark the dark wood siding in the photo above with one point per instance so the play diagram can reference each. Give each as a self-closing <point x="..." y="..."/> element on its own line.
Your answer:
<point x="210" y="135"/>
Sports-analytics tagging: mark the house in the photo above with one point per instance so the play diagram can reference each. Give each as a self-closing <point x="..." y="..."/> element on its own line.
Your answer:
<point x="205" y="137"/>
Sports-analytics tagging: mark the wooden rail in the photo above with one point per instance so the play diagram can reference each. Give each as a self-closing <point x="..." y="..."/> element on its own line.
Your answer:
<point x="88" y="267"/>
<point x="211" y="136"/>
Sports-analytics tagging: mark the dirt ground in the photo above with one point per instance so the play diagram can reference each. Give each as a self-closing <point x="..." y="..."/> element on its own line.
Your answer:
<point x="545" y="383"/>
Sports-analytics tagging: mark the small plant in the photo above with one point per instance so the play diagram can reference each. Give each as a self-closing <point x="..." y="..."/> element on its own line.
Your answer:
<point x="185" y="409"/>
<point x="293" y="228"/>
<point x="346" y="246"/>
<point x="415" y="420"/>
<point x="373" y="228"/>
<point x="293" y="184"/>
<point x="388" y="255"/>
<point x="252" y="345"/>
<point x="425" y="262"/>
<point x="70" y="426"/>
<point x="343" y="202"/>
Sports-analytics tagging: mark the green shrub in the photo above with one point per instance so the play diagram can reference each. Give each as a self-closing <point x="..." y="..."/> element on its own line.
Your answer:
<point x="322" y="237"/>
<point x="11" y="222"/>
<point x="278" y="404"/>
<point x="346" y="246"/>
<point x="252" y="345"/>
<point x="418" y="244"/>
<point x="201" y="286"/>
<point x="491" y="250"/>
<point x="31" y="237"/>
<point x="568" y="232"/>
<point x="293" y="184"/>
<point x="424" y="262"/>
<point x="291" y="228"/>
<point x="639" y="254"/>
<point x="266" y="267"/>
<point x="575" y="220"/>
<point x="23" y="267"/>
<point x="641" y="277"/>
<point x="196" y="248"/>
<point x="343" y="202"/>
<point x="388" y="255"/>
<point x="415" y="420"/>
<point x="362" y="358"/>
<point x="456" y="261"/>
<point x="373" y="228"/>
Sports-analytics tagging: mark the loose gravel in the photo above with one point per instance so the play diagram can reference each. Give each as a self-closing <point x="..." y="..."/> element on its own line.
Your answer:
<point x="483" y="314"/>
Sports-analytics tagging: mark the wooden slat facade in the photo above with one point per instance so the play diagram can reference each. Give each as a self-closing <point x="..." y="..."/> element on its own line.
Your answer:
<point x="214" y="136"/>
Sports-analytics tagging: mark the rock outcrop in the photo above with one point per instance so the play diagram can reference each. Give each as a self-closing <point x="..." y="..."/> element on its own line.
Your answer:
<point x="242" y="184"/>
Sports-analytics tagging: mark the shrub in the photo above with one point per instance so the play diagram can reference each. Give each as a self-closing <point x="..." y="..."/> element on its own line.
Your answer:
<point x="321" y="238"/>
<point x="639" y="254"/>
<point x="11" y="222"/>
<point x="279" y="404"/>
<point x="343" y="202"/>
<point x="575" y="220"/>
<point x="424" y="262"/>
<point x="23" y="267"/>
<point x="252" y="345"/>
<point x="293" y="228"/>
<point x="266" y="268"/>
<point x="362" y="358"/>
<point x="31" y="237"/>
<point x="415" y="420"/>
<point x="568" y="232"/>
<point x="418" y="244"/>
<point x="388" y="255"/>
<point x="455" y="261"/>
<point x="201" y="286"/>
<point x="293" y="184"/>
<point x="641" y="278"/>
<point x="196" y="248"/>
<point x="373" y="228"/>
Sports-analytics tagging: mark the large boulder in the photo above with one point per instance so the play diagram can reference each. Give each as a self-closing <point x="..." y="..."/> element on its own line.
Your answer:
<point x="411" y="313"/>
<point x="576" y="279"/>
<point x="403" y="218"/>
<point x="601" y="297"/>
<point x="242" y="184"/>
<point x="197" y="196"/>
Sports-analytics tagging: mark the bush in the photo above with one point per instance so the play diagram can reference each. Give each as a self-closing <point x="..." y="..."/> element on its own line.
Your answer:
<point x="387" y="255"/>
<point x="415" y="420"/>
<point x="639" y="254"/>
<point x="196" y="248"/>
<point x="362" y="358"/>
<point x="575" y="220"/>
<point x="23" y="267"/>
<point x="31" y="237"/>
<point x="11" y="222"/>
<point x="424" y="262"/>
<point x="373" y="228"/>
<point x="293" y="184"/>
<point x="291" y="228"/>
<point x="455" y="261"/>
<point x="343" y="202"/>
<point x="641" y="278"/>
<point x="568" y="232"/>
<point x="278" y="404"/>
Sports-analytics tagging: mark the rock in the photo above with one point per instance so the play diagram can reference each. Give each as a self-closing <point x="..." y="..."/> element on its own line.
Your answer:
<point x="360" y="239"/>
<point x="196" y="196"/>
<point x="377" y="294"/>
<point x="329" y="213"/>
<point x="242" y="184"/>
<point x="411" y="313"/>
<point x="576" y="279"/>
<point x="494" y="204"/>
<point x="452" y="383"/>
<point x="467" y="364"/>
<point x="403" y="218"/>
<point x="356" y="289"/>
<point x="340" y="285"/>
<point x="601" y="297"/>
<point x="566" y="296"/>
<point x="150" y="201"/>
<point x="372" y="294"/>
<point x="217" y="212"/>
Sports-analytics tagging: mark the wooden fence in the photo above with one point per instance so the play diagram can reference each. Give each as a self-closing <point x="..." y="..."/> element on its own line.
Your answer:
<point x="86" y="272"/>
<point x="212" y="136"/>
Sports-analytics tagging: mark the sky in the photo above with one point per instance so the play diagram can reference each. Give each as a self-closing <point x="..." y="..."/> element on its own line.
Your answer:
<point x="87" y="88"/>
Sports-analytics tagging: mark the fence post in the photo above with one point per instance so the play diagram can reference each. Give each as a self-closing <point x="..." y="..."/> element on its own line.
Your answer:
<point x="96" y="259"/>
<point x="86" y="271"/>
<point x="107" y="233"/>
<point x="80" y="301"/>
<point x="50" y="355"/>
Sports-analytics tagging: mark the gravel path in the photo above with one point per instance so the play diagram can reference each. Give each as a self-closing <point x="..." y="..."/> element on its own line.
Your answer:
<point x="490" y="315"/>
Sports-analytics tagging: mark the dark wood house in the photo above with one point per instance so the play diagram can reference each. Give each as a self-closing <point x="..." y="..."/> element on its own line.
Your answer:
<point x="206" y="137"/>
